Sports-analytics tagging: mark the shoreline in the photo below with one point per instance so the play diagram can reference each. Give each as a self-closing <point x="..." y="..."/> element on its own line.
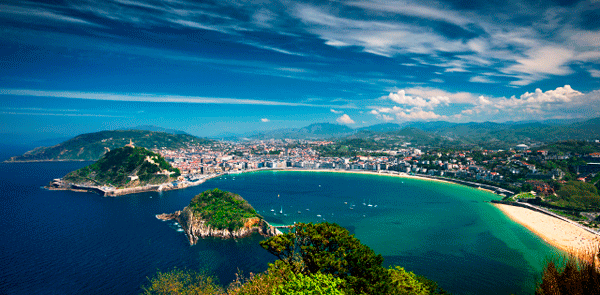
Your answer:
<point x="554" y="231"/>
<point x="168" y="186"/>
<point x="561" y="234"/>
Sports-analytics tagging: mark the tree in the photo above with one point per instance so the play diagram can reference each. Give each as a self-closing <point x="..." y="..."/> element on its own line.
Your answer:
<point x="330" y="249"/>
<point x="577" y="276"/>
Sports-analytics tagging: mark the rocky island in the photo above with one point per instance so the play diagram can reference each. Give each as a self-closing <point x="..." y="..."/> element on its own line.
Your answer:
<point x="122" y="171"/>
<point x="222" y="214"/>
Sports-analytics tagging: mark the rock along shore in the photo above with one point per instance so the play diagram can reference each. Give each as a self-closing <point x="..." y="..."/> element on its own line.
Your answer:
<point x="196" y="228"/>
<point x="59" y="184"/>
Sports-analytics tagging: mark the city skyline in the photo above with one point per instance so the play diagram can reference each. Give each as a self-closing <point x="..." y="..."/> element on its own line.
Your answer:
<point x="234" y="67"/>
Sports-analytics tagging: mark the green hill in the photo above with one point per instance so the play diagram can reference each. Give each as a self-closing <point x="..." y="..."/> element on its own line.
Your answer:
<point x="222" y="209"/>
<point x="125" y="167"/>
<point x="91" y="146"/>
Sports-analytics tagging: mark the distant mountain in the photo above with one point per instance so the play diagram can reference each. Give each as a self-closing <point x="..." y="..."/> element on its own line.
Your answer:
<point x="91" y="146"/>
<point x="313" y="131"/>
<point x="463" y="135"/>
<point x="385" y="127"/>
<point x="157" y="129"/>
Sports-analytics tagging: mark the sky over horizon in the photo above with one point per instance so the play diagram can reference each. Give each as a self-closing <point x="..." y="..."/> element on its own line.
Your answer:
<point x="211" y="68"/>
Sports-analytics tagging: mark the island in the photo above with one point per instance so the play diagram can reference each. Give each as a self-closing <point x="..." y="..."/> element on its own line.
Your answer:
<point x="122" y="171"/>
<point x="221" y="214"/>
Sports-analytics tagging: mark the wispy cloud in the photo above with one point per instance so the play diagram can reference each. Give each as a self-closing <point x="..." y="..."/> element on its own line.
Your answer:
<point x="61" y="114"/>
<point x="158" y="98"/>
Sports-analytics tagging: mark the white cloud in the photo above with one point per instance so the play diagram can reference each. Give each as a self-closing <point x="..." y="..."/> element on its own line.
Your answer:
<point x="336" y="112"/>
<point x="345" y="119"/>
<point x="411" y="9"/>
<point x="387" y="118"/>
<point x="455" y="97"/>
<point x="374" y="112"/>
<point x="481" y="79"/>
<point x="417" y="114"/>
<point x="562" y="102"/>
<point x="539" y="62"/>
<point x="595" y="73"/>
<point x="265" y="120"/>
<point x="385" y="38"/>
<point x="401" y="98"/>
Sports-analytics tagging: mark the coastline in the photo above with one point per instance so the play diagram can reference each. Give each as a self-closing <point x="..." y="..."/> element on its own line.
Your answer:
<point x="182" y="185"/>
<point x="556" y="232"/>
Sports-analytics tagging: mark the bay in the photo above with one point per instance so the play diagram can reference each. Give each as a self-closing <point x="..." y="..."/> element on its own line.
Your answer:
<point x="63" y="242"/>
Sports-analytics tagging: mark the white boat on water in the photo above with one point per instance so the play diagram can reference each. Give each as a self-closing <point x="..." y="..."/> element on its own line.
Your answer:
<point x="281" y="210"/>
<point x="319" y="215"/>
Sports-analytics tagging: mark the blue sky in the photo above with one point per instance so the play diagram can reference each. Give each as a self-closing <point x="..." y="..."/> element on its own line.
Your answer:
<point x="69" y="67"/>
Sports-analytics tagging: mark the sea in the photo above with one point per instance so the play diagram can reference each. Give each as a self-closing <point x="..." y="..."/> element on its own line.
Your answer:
<point x="64" y="242"/>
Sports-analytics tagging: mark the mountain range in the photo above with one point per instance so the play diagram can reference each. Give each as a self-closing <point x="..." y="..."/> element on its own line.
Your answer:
<point x="484" y="134"/>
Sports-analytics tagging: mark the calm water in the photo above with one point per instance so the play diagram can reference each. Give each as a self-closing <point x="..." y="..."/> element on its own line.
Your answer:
<point x="61" y="242"/>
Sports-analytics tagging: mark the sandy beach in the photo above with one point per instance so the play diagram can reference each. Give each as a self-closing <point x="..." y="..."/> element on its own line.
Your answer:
<point x="558" y="233"/>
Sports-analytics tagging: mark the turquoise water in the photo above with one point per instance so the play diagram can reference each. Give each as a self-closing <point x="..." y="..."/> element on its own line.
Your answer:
<point x="444" y="231"/>
<point x="63" y="242"/>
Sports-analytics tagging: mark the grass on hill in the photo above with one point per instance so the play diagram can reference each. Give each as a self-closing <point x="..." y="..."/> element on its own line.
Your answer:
<point x="222" y="209"/>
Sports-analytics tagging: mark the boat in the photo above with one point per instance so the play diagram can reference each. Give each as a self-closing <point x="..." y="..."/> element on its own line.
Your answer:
<point x="307" y="209"/>
<point x="370" y="204"/>
<point x="272" y="210"/>
<point x="281" y="210"/>
<point x="319" y="215"/>
<point x="299" y="212"/>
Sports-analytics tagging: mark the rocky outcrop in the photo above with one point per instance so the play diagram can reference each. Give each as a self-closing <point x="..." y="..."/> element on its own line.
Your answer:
<point x="196" y="228"/>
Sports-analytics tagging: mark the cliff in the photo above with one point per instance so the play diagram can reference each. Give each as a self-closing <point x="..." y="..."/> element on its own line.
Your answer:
<point x="196" y="228"/>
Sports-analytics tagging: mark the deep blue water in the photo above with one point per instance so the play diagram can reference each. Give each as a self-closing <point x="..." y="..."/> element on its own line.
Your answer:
<point x="62" y="242"/>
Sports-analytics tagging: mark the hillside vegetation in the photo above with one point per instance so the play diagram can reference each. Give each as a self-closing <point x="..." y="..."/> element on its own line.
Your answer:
<point x="91" y="146"/>
<point x="125" y="167"/>
<point x="317" y="259"/>
<point x="222" y="209"/>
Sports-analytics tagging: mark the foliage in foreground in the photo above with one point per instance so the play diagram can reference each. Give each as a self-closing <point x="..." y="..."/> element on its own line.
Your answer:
<point x="315" y="284"/>
<point x="573" y="276"/>
<point x="222" y="209"/>
<point x="182" y="282"/>
<point x="330" y="249"/>
<point x="315" y="259"/>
